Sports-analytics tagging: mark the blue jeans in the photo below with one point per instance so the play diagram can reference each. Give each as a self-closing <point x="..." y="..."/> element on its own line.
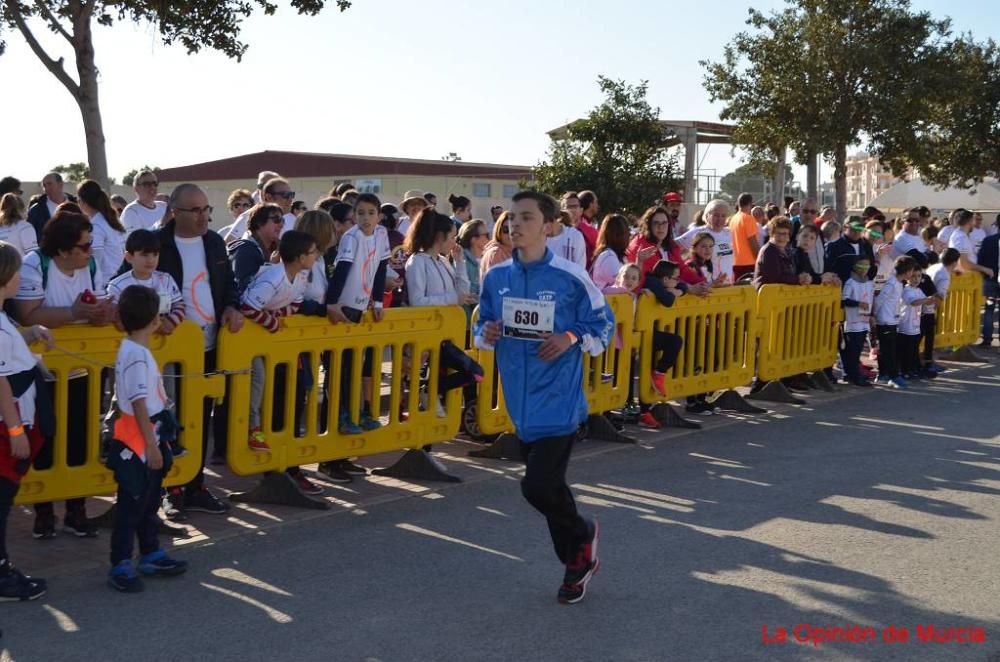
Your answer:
<point x="991" y="291"/>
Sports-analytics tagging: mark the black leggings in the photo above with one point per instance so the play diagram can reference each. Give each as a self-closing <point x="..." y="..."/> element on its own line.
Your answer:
<point x="8" y="490"/>
<point x="888" y="365"/>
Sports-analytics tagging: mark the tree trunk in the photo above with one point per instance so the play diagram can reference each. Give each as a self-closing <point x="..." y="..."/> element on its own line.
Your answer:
<point x="778" y="186"/>
<point x="840" y="180"/>
<point x="812" y="175"/>
<point x="87" y="100"/>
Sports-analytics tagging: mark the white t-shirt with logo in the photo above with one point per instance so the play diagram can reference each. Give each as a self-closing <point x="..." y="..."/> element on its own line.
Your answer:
<point x="366" y="252"/>
<point x="137" y="216"/>
<point x="61" y="290"/>
<point x="570" y="245"/>
<point x="906" y="242"/>
<point x="270" y="289"/>
<point x="109" y="250"/>
<point x="960" y="241"/>
<point x="15" y="357"/>
<point x="21" y="234"/>
<point x="856" y="318"/>
<point x="722" y="254"/>
<point x="196" y="288"/>
<point x="909" y="315"/>
<point x="161" y="282"/>
<point x="138" y="376"/>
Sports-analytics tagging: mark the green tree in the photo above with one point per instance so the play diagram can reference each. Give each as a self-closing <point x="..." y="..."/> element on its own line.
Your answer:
<point x="129" y="177"/>
<point x="818" y="76"/>
<point x="618" y="151"/>
<point x="195" y="24"/>
<point x="73" y="172"/>
<point x="953" y="138"/>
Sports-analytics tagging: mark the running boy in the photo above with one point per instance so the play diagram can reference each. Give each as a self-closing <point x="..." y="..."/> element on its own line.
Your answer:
<point x="139" y="455"/>
<point x="275" y="292"/>
<point x="540" y="312"/>
<point x="20" y="438"/>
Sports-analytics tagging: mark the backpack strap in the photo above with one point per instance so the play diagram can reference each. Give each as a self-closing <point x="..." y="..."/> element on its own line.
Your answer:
<point x="43" y="263"/>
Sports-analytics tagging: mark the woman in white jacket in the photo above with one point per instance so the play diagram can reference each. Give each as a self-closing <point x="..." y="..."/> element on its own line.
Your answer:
<point x="432" y="280"/>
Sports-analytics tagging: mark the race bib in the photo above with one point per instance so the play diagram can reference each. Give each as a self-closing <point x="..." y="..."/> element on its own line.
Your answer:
<point x="527" y="319"/>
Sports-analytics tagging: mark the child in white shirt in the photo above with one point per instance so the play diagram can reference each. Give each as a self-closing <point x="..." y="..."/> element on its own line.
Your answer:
<point x="275" y="292"/>
<point x="857" y="297"/>
<point x="887" y="307"/>
<point x="142" y="252"/>
<point x="139" y="455"/>
<point x="908" y="339"/>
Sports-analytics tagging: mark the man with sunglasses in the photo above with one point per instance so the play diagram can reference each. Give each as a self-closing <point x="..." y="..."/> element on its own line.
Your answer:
<point x="196" y="258"/>
<point x="279" y="192"/>
<point x="145" y="211"/>
<point x="909" y="239"/>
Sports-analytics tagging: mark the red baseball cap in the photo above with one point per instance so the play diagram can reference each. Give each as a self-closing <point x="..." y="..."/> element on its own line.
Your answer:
<point x="673" y="196"/>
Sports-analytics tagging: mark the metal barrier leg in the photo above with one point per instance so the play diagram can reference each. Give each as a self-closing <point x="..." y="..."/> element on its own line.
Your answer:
<point x="821" y="381"/>
<point x="776" y="392"/>
<point x="666" y="415"/>
<point x="418" y="465"/>
<point x="731" y="400"/>
<point x="506" y="447"/>
<point x="600" y="428"/>
<point x="965" y="354"/>
<point x="278" y="488"/>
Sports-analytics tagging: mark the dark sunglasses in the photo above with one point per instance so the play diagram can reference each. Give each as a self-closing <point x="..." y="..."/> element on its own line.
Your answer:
<point x="148" y="184"/>
<point x="809" y="211"/>
<point x="287" y="195"/>
<point x="84" y="247"/>
<point x="241" y="205"/>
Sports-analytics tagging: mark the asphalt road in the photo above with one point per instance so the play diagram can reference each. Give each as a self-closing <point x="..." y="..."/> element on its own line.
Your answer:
<point x="876" y="509"/>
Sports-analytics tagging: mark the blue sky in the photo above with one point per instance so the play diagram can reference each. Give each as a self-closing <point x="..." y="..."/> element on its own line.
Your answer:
<point x="388" y="78"/>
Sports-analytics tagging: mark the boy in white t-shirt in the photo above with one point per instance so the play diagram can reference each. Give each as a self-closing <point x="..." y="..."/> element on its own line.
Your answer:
<point x="275" y="292"/>
<point x="940" y="277"/>
<point x="887" y="306"/>
<point x="908" y="340"/>
<point x="858" y="297"/>
<point x="567" y="242"/>
<point x="20" y="437"/>
<point x="142" y="251"/>
<point x="357" y="283"/>
<point x="139" y="455"/>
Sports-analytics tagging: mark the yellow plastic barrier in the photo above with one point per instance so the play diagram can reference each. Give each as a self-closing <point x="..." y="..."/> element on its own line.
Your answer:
<point x="718" y="331"/>
<point x="605" y="377"/>
<point x="958" y="316"/>
<point x="87" y="350"/>
<point x="799" y="329"/>
<point x="491" y="410"/>
<point x="408" y="333"/>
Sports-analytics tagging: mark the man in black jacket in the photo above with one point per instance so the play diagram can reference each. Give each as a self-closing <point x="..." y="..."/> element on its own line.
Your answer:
<point x="989" y="257"/>
<point x="196" y="258"/>
<point x="841" y="254"/>
<point x="40" y="212"/>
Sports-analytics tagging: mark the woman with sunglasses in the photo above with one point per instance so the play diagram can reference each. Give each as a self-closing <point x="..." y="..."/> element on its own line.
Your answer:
<point x="240" y="200"/>
<point x="265" y="222"/>
<point x="499" y="249"/>
<point x="57" y="288"/>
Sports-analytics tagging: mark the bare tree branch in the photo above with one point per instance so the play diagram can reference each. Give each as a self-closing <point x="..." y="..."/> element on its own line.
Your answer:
<point x="54" y="66"/>
<point x="53" y="20"/>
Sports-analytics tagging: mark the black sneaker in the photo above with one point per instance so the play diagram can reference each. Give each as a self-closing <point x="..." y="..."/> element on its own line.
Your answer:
<point x="203" y="501"/>
<point x="177" y="450"/>
<point x="158" y="563"/>
<point x="16" y="586"/>
<point x="581" y="570"/>
<point x="173" y="505"/>
<point x="700" y="407"/>
<point x="45" y="528"/>
<point x="77" y="524"/>
<point x="334" y="473"/>
<point x="351" y="468"/>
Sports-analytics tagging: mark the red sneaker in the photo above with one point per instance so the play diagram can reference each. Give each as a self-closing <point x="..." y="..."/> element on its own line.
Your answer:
<point x="256" y="441"/>
<point x="306" y="485"/>
<point x="647" y="420"/>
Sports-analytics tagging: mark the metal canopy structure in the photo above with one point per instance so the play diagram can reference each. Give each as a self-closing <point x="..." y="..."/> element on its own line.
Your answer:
<point x="689" y="133"/>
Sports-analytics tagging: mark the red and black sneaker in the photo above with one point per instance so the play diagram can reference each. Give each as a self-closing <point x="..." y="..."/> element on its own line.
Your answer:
<point x="581" y="569"/>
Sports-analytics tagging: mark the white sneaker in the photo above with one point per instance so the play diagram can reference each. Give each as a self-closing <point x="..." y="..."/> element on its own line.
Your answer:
<point x="440" y="410"/>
